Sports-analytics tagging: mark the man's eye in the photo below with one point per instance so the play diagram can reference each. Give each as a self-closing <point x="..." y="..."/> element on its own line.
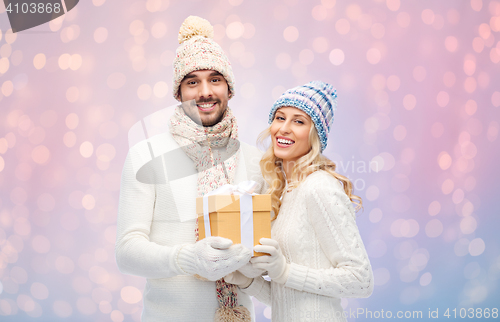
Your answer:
<point x="216" y="80"/>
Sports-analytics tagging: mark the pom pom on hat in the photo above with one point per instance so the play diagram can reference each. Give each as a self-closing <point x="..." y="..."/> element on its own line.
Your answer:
<point x="318" y="99"/>
<point x="195" y="26"/>
<point x="198" y="51"/>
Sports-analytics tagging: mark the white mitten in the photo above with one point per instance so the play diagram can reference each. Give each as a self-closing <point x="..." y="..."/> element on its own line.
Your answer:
<point x="275" y="264"/>
<point x="212" y="257"/>
<point x="237" y="278"/>
<point x="249" y="271"/>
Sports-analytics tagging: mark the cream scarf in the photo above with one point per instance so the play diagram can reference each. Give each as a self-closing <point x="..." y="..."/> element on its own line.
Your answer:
<point x="215" y="152"/>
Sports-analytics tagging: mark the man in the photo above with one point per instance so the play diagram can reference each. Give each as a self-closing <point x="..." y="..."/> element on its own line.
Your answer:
<point x="156" y="227"/>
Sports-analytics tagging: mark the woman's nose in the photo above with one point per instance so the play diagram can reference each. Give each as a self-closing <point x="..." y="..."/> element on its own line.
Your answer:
<point x="285" y="127"/>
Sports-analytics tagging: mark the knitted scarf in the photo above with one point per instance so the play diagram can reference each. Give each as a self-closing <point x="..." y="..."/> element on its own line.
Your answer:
<point x="216" y="166"/>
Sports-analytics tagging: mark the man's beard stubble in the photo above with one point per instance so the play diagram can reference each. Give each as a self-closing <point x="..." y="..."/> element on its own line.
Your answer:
<point x="216" y="118"/>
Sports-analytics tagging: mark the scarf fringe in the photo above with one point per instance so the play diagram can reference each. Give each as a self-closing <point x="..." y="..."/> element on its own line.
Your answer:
<point x="233" y="314"/>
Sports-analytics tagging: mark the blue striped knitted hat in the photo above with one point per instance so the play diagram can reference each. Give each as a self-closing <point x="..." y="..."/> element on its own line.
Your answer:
<point x="317" y="99"/>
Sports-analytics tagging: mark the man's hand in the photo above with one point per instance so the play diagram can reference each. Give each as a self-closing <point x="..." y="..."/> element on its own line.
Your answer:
<point x="275" y="264"/>
<point x="212" y="257"/>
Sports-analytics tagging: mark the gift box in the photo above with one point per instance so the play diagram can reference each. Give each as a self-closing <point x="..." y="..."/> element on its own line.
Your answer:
<point x="244" y="219"/>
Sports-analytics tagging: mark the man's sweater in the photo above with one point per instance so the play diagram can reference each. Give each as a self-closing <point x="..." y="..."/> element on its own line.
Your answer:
<point x="156" y="217"/>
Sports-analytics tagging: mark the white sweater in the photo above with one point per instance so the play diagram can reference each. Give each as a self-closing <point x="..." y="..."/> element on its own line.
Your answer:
<point x="155" y="220"/>
<point x="319" y="238"/>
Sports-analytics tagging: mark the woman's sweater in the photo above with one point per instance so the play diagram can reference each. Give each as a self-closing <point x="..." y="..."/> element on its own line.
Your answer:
<point x="318" y="236"/>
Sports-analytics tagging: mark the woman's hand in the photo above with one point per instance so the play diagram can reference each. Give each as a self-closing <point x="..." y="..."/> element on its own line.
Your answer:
<point x="275" y="264"/>
<point x="249" y="271"/>
<point x="237" y="278"/>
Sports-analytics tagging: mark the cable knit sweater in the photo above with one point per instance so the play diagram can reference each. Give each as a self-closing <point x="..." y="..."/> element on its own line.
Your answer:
<point x="319" y="238"/>
<point x="151" y="229"/>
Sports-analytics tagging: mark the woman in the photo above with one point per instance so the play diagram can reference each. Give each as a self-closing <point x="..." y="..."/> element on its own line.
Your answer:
<point x="316" y="253"/>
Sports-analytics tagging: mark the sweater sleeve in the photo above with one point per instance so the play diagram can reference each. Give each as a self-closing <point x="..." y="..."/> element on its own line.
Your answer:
<point x="332" y="216"/>
<point x="260" y="289"/>
<point x="135" y="253"/>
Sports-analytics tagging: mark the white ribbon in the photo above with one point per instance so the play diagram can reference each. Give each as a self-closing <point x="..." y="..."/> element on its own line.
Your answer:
<point x="245" y="189"/>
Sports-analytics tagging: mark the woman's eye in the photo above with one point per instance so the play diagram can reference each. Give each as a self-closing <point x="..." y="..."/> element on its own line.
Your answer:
<point x="299" y="121"/>
<point x="281" y="118"/>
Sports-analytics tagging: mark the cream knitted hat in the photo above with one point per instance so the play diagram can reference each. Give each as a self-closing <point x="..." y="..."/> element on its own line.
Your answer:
<point x="199" y="51"/>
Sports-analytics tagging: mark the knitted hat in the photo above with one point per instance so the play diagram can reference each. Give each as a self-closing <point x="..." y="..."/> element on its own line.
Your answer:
<point x="317" y="99"/>
<point x="199" y="51"/>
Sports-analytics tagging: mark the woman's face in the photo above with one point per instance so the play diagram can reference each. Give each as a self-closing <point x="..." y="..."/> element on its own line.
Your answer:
<point x="290" y="133"/>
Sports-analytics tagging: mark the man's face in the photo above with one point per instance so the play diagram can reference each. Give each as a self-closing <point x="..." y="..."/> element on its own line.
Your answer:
<point x="210" y="91"/>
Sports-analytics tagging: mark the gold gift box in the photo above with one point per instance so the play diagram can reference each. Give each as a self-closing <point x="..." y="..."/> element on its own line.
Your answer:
<point x="225" y="217"/>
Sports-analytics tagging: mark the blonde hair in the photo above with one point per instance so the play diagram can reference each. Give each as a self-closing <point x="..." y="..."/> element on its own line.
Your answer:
<point x="272" y="170"/>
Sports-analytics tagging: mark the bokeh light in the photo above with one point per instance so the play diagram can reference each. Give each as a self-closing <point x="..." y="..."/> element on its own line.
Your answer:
<point x="39" y="61"/>
<point x="291" y="34"/>
<point x="100" y="35"/>
<point x="235" y="30"/>
<point x="337" y="57"/>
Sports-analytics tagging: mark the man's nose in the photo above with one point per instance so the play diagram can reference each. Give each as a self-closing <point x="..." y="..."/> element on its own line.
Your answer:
<point x="205" y="89"/>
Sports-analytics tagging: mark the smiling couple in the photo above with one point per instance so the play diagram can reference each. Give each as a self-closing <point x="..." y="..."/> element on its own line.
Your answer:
<point x="316" y="255"/>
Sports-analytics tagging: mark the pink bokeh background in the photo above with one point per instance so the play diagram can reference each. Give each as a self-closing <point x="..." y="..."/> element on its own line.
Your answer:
<point x="416" y="130"/>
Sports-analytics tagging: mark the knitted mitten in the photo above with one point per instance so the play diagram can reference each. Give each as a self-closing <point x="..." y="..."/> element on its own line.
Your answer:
<point x="249" y="271"/>
<point x="237" y="278"/>
<point x="212" y="257"/>
<point x="276" y="266"/>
